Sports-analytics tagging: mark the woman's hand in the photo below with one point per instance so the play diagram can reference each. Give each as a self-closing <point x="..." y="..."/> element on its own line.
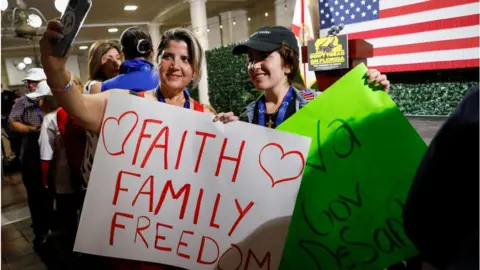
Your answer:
<point x="375" y="77"/>
<point x="54" y="66"/>
<point x="225" y="117"/>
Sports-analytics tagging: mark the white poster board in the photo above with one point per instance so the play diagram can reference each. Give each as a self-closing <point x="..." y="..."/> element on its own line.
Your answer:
<point x="171" y="186"/>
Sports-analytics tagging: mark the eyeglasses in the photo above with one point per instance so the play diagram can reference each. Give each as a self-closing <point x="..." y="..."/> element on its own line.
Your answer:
<point x="28" y="82"/>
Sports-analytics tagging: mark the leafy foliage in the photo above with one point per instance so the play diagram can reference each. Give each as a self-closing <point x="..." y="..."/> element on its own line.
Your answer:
<point x="416" y="93"/>
<point x="429" y="99"/>
<point x="436" y="92"/>
<point x="229" y="86"/>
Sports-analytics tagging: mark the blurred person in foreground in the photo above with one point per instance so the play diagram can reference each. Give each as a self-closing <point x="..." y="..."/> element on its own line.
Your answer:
<point x="441" y="212"/>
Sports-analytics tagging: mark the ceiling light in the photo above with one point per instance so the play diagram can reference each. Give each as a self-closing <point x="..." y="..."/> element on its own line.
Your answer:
<point x="34" y="20"/>
<point x="208" y="29"/>
<point x="61" y="5"/>
<point x="221" y="26"/>
<point x="130" y="8"/>
<point x="27" y="60"/>
<point x="112" y="30"/>
<point x="4" y="5"/>
<point x="266" y="14"/>
<point x="21" y="66"/>
<point x="83" y="47"/>
<point x="249" y="19"/>
<point x="234" y="22"/>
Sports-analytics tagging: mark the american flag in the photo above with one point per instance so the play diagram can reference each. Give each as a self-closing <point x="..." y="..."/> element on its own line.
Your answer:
<point x="409" y="35"/>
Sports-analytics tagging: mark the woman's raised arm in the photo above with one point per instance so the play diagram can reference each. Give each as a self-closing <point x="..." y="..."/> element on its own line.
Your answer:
<point x="87" y="110"/>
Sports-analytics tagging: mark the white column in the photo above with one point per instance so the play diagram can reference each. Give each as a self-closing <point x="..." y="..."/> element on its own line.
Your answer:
<point x="233" y="33"/>
<point x="284" y="16"/>
<point x="154" y="31"/>
<point x="198" y="14"/>
<point x="241" y="25"/>
<point x="214" y="37"/>
<point x="227" y="33"/>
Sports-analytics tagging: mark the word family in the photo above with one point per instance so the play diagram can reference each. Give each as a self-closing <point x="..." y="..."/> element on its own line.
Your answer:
<point x="188" y="195"/>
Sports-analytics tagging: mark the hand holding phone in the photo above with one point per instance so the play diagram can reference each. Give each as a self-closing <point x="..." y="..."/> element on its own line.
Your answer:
<point x="53" y="65"/>
<point x="72" y="20"/>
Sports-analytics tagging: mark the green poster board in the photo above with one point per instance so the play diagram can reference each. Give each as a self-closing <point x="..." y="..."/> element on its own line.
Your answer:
<point x="362" y="160"/>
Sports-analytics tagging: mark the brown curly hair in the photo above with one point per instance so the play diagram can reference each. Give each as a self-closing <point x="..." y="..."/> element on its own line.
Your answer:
<point x="291" y="60"/>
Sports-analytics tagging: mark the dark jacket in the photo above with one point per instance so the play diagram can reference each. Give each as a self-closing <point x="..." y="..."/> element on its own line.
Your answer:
<point x="441" y="211"/>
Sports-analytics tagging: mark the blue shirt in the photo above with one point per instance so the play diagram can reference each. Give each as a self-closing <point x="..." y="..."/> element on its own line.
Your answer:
<point x="136" y="75"/>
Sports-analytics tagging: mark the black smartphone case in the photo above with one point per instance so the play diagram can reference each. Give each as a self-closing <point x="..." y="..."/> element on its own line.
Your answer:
<point x="72" y="19"/>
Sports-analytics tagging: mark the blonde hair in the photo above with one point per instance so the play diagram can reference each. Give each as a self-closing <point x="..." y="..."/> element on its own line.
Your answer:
<point x="195" y="50"/>
<point x="95" y="53"/>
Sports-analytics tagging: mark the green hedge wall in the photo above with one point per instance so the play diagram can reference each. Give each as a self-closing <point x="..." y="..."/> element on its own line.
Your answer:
<point x="429" y="98"/>
<point x="230" y="88"/>
<point x="416" y="93"/>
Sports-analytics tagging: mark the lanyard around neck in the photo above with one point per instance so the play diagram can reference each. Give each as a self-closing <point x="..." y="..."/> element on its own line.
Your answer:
<point x="281" y="111"/>
<point x="186" y="104"/>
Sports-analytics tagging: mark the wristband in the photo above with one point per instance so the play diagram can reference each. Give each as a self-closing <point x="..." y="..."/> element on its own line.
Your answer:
<point x="69" y="85"/>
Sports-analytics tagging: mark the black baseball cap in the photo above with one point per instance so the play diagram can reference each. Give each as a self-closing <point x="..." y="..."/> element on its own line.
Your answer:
<point x="267" y="39"/>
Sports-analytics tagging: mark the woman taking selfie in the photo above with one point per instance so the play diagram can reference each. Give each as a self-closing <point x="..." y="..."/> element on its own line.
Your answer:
<point x="179" y="63"/>
<point x="273" y="59"/>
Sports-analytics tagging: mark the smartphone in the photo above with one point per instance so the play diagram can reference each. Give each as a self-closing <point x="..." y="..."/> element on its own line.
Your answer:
<point x="72" y="19"/>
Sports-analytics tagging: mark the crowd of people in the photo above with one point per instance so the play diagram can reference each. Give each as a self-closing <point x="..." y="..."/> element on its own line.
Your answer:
<point x="59" y="120"/>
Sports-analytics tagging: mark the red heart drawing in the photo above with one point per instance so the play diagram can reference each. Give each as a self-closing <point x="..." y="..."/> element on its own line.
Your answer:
<point x="121" y="152"/>
<point x="274" y="182"/>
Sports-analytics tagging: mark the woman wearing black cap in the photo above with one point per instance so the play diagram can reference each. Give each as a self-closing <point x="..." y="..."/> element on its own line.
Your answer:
<point x="273" y="59"/>
<point x="137" y="73"/>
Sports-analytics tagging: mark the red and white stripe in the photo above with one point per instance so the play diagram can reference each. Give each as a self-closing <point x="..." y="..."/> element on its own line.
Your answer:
<point x="421" y="35"/>
<point x="301" y="16"/>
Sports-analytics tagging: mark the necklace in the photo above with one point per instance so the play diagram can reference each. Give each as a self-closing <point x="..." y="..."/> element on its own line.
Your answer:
<point x="281" y="110"/>
<point x="270" y="122"/>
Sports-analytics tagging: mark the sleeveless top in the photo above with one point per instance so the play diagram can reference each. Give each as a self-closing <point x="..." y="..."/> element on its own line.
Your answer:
<point x="92" y="141"/>
<point x="88" y="86"/>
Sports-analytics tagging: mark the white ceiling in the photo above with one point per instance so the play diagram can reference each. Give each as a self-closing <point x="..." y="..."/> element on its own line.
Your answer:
<point x="106" y="14"/>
